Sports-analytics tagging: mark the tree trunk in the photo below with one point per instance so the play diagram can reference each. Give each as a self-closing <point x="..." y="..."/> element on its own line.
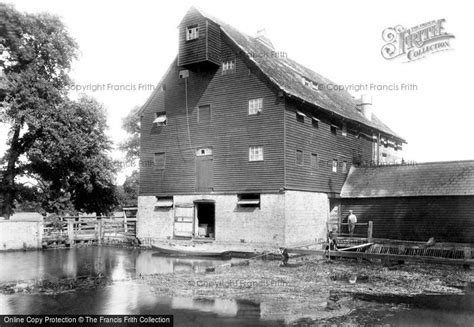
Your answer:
<point x="7" y="189"/>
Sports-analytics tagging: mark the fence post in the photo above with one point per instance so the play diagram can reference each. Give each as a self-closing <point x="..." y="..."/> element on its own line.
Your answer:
<point x="70" y="231"/>
<point x="125" y="227"/>
<point x="99" y="230"/>
<point x="467" y="253"/>
<point x="369" y="231"/>
<point x="39" y="233"/>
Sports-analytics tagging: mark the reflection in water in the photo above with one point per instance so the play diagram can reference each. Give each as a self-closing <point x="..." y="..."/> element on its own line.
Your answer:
<point x="430" y="310"/>
<point x="132" y="298"/>
<point x="125" y="297"/>
<point x="218" y="306"/>
<point x="129" y="297"/>
<point x="115" y="263"/>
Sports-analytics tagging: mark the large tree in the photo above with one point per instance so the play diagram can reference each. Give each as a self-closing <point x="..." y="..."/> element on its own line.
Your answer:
<point x="131" y="125"/>
<point x="131" y="147"/>
<point x="58" y="143"/>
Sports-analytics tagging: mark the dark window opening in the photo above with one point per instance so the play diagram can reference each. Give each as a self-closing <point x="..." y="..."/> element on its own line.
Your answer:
<point x="299" y="157"/>
<point x="300" y="116"/>
<point x="159" y="160"/>
<point x="164" y="202"/>
<point x="204" y="114"/>
<point x="160" y="119"/>
<point x="344" y="167"/>
<point x="334" y="129"/>
<point x="249" y="200"/>
<point x="314" y="161"/>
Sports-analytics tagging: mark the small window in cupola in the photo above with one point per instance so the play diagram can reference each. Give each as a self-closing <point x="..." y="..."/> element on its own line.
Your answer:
<point x="192" y="32"/>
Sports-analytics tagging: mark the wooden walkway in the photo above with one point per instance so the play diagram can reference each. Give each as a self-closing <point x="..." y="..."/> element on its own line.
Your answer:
<point x="398" y="251"/>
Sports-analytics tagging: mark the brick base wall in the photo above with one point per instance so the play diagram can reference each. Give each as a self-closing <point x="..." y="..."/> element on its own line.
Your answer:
<point x="152" y="223"/>
<point x="282" y="219"/>
<point x="306" y="216"/>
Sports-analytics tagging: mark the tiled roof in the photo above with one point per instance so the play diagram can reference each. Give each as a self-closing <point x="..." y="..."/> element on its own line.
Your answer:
<point x="424" y="179"/>
<point x="287" y="75"/>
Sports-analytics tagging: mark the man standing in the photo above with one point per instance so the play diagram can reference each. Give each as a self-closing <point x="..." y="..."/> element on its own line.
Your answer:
<point x="351" y="220"/>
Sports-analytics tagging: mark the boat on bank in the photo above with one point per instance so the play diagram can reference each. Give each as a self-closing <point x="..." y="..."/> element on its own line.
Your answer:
<point x="181" y="252"/>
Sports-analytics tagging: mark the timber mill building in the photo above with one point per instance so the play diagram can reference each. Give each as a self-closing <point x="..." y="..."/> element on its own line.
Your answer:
<point x="240" y="144"/>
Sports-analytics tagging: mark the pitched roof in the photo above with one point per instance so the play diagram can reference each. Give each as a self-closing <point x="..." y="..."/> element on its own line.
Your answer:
<point x="424" y="179"/>
<point x="288" y="75"/>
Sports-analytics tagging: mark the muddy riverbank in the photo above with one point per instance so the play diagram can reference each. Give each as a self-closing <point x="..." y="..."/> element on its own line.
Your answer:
<point x="310" y="290"/>
<point x="314" y="290"/>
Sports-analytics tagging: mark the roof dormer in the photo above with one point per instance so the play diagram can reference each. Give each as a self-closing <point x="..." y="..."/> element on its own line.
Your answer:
<point x="199" y="40"/>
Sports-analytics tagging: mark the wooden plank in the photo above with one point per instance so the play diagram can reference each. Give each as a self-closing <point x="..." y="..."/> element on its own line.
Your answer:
<point x="356" y="247"/>
<point x="394" y="257"/>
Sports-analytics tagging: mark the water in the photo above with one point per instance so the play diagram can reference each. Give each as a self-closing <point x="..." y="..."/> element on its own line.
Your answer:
<point x="430" y="310"/>
<point x="116" y="263"/>
<point x="130" y="297"/>
<point x="124" y="297"/>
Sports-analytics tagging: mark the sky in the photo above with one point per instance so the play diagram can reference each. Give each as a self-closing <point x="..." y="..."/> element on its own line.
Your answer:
<point x="130" y="44"/>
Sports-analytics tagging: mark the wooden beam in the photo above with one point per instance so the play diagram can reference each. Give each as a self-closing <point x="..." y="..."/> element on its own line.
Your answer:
<point x="394" y="257"/>
<point x="356" y="247"/>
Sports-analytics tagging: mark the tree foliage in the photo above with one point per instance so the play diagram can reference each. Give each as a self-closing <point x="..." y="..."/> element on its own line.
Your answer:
<point x="131" y="147"/>
<point x="57" y="143"/>
<point x="129" y="190"/>
<point x="131" y="125"/>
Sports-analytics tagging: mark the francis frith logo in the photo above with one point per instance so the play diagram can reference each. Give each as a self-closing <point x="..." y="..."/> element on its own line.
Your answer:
<point x="416" y="42"/>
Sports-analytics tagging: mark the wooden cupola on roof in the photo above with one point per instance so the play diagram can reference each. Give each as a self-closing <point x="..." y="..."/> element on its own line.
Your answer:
<point x="199" y="40"/>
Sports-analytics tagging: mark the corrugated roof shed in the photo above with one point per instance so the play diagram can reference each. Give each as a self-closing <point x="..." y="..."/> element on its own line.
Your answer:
<point x="288" y="76"/>
<point x="424" y="179"/>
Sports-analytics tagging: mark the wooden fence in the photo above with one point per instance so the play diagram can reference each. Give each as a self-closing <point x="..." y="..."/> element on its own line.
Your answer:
<point x="70" y="231"/>
<point x="363" y="232"/>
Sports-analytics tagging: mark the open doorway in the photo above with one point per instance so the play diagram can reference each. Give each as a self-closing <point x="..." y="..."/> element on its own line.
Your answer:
<point x="205" y="219"/>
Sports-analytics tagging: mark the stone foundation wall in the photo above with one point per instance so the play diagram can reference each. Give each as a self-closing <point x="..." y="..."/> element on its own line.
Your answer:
<point x="282" y="219"/>
<point x="306" y="217"/>
<point x="17" y="235"/>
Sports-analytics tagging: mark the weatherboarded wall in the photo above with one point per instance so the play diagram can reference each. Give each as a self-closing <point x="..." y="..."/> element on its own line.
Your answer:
<point x="317" y="143"/>
<point x="446" y="218"/>
<point x="229" y="132"/>
<point x="17" y="235"/>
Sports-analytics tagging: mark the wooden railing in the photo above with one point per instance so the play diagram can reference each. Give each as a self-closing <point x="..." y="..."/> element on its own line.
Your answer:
<point x="362" y="230"/>
<point x="73" y="230"/>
